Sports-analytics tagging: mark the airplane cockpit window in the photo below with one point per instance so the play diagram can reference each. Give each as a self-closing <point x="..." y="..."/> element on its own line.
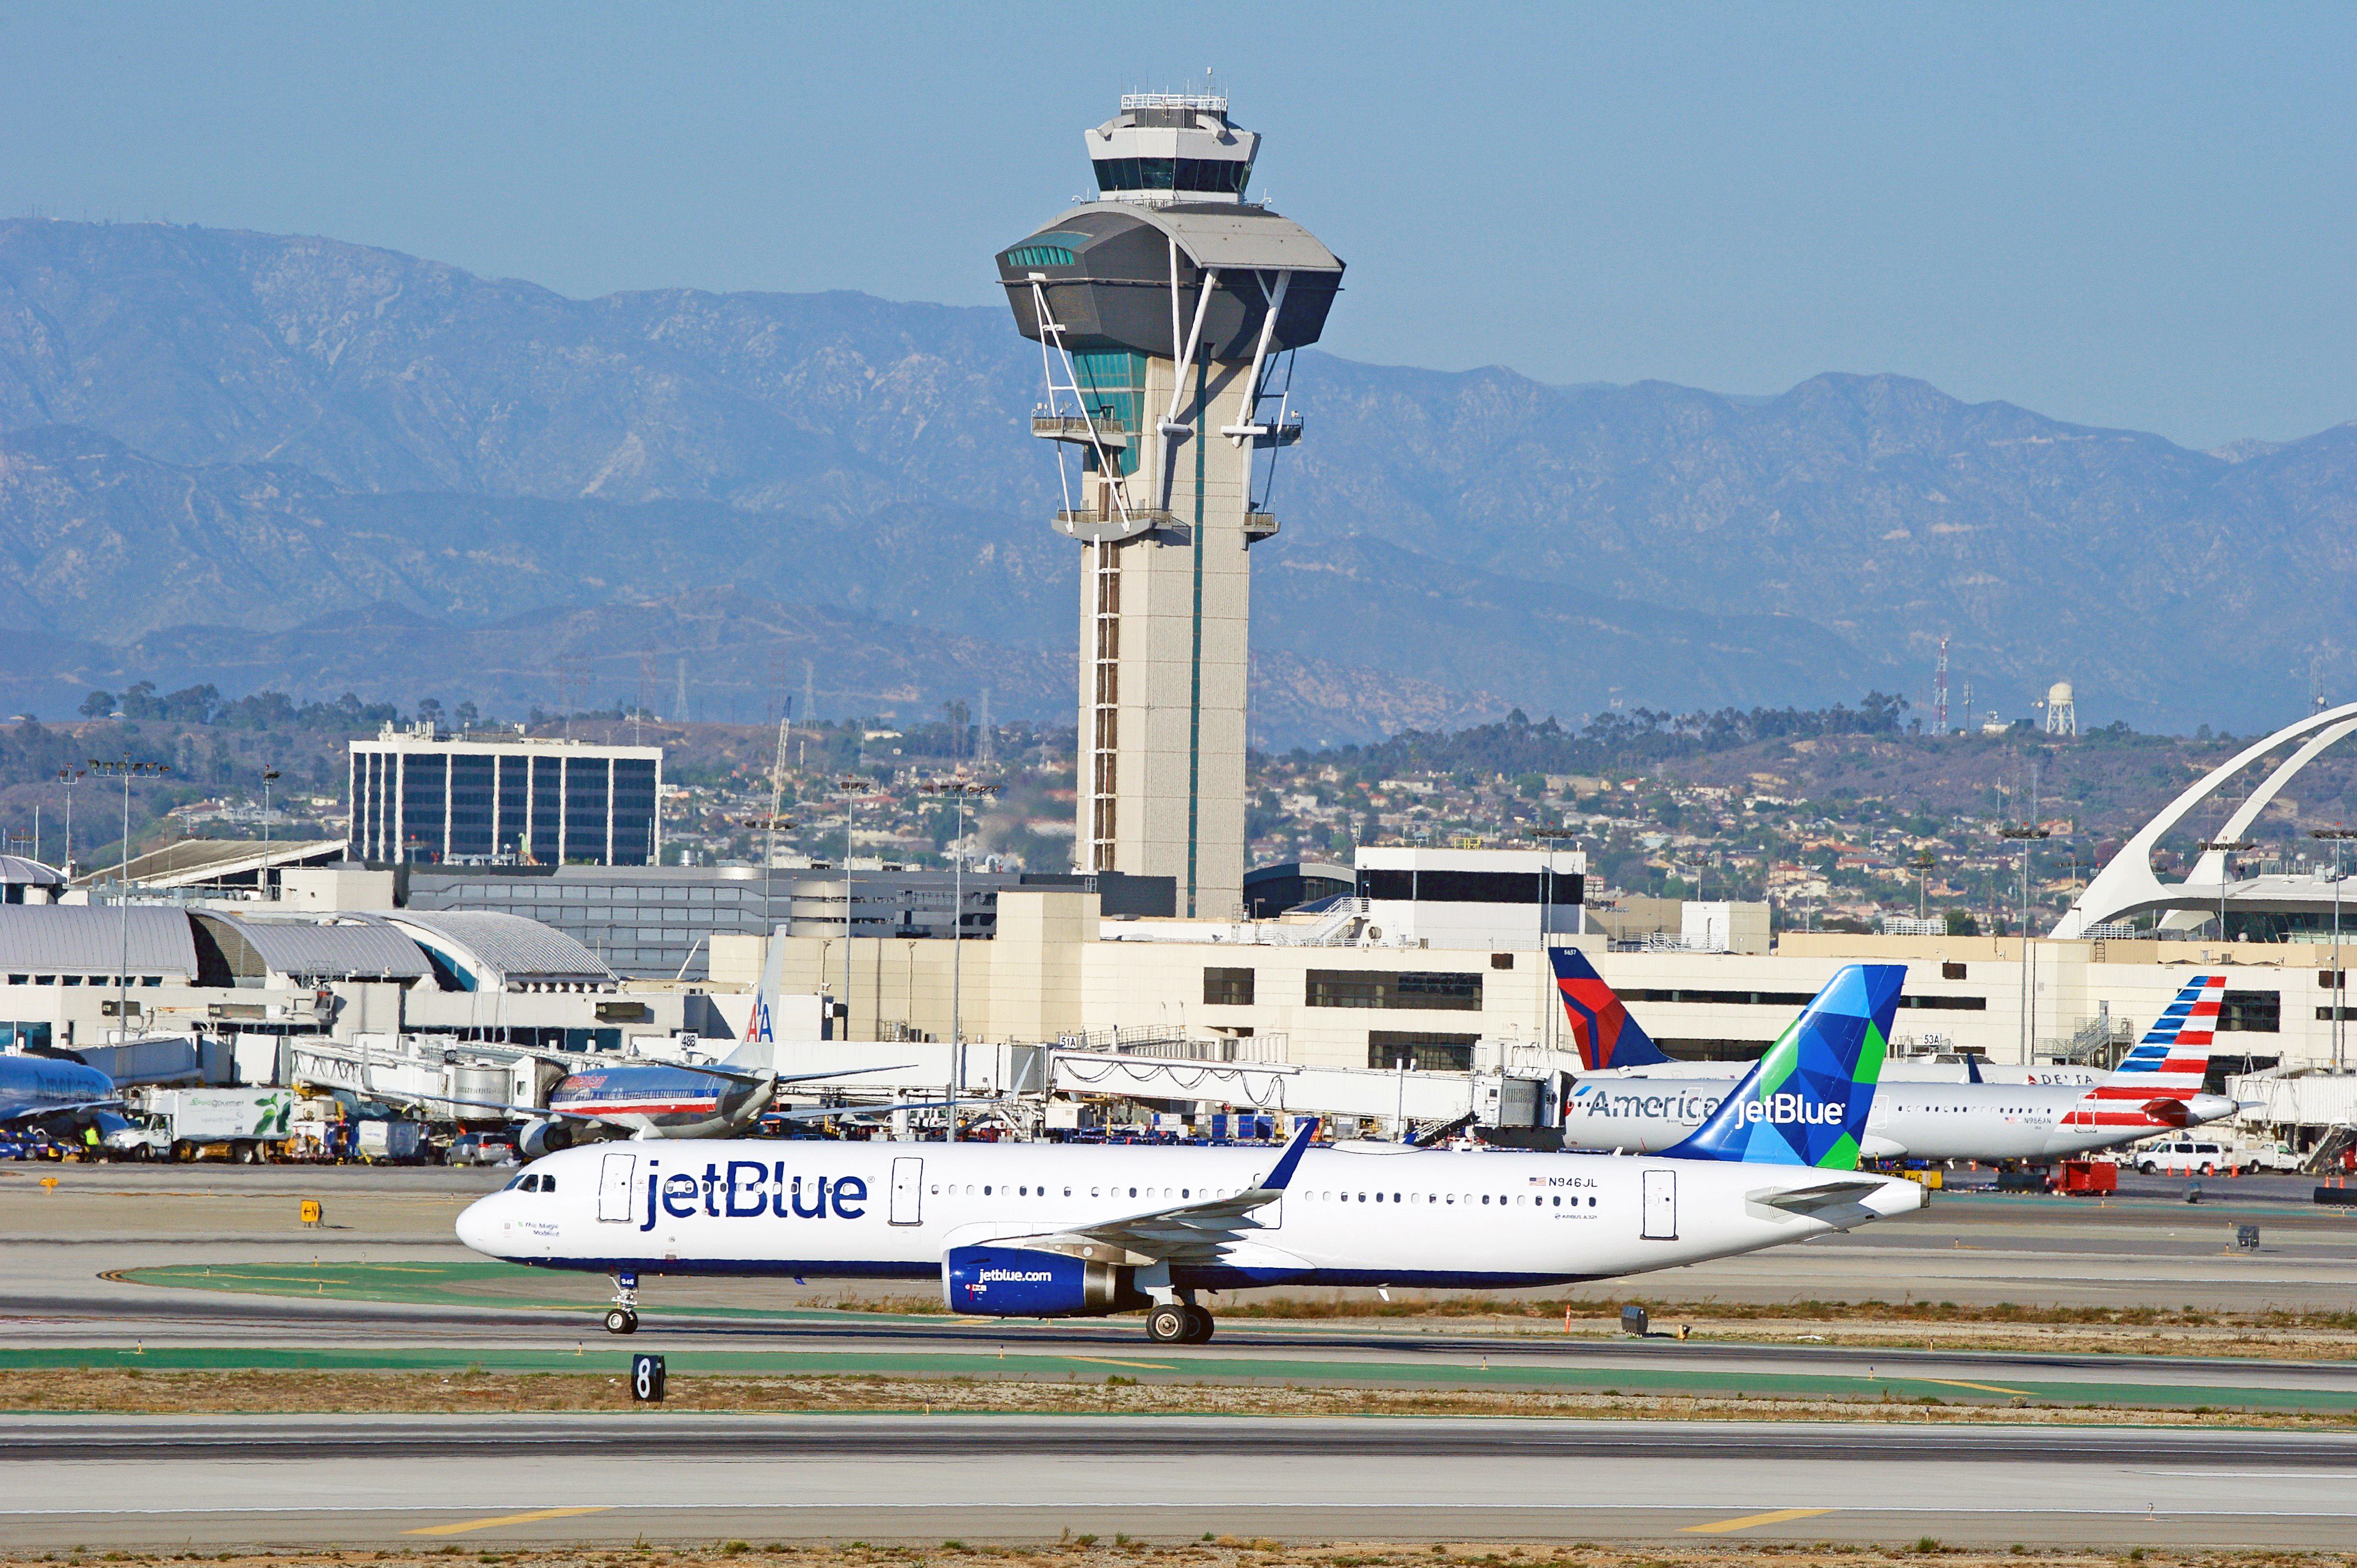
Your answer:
<point x="513" y="1183"/>
<point x="548" y="1183"/>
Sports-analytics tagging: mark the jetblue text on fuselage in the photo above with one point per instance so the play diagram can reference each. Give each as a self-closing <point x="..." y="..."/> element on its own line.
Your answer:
<point x="1787" y="1110"/>
<point x="750" y="1190"/>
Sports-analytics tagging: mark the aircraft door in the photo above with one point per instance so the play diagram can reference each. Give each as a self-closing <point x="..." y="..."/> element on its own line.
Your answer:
<point x="1661" y="1206"/>
<point x="617" y="1182"/>
<point x="908" y="1191"/>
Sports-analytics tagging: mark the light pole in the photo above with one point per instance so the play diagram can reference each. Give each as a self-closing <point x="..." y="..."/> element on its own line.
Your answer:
<point x="127" y="771"/>
<point x="2337" y="837"/>
<point x="1923" y="862"/>
<point x="963" y="790"/>
<point x="849" y="786"/>
<point x="269" y="776"/>
<point x="2225" y="848"/>
<point x="2026" y="833"/>
<point x="67" y="775"/>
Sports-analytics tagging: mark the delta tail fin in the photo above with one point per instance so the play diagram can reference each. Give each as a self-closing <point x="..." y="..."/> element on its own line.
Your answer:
<point x="1806" y="1102"/>
<point x="1600" y="1026"/>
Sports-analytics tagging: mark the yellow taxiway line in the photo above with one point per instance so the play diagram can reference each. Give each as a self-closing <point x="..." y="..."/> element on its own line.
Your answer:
<point x="464" y="1525"/>
<point x="1722" y="1526"/>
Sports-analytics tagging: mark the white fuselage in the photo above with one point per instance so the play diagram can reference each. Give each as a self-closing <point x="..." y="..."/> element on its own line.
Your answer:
<point x="1986" y="1122"/>
<point x="893" y="1210"/>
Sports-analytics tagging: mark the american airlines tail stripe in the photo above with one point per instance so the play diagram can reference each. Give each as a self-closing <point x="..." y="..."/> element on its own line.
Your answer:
<point x="2141" y="1092"/>
<point x="642" y="1107"/>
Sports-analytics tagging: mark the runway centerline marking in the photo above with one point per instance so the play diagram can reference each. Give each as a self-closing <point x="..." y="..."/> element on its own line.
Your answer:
<point x="1109" y="1362"/>
<point x="1779" y="1516"/>
<point x="462" y="1528"/>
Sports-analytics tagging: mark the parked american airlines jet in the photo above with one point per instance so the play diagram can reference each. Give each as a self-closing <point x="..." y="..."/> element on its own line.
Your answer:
<point x="677" y="1099"/>
<point x="1071" y="1231"/>
<point x="2157" y="1089"/>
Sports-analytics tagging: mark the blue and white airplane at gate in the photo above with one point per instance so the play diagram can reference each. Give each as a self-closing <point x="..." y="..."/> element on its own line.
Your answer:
<point x="1068" y="1230"/>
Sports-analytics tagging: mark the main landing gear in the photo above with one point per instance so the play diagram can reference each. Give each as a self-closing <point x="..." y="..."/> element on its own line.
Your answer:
<point x="622" y="1318"/>
<point x="1178" y="1322"/>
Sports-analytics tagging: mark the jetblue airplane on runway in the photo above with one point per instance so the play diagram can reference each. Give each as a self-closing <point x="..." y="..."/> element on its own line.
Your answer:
<point x="2155" y="1088"/>
<point x="1060" y="1229"/>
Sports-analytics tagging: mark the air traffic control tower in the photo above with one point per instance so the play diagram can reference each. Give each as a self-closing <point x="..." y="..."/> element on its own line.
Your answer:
<point x="1166" y="312"/>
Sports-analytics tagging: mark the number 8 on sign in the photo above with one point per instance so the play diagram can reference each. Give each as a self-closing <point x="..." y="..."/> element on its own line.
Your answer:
<point x="647" y="1379"/>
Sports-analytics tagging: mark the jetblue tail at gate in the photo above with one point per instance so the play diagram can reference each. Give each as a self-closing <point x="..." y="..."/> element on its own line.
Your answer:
<point x="1807" y="1100"/>
<point x="1605" y="1035"/>
<point x="2158" y="1084"/>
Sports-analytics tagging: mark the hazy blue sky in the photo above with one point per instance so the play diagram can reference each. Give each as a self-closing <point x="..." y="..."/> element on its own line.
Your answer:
<point x="2124" y="215"/>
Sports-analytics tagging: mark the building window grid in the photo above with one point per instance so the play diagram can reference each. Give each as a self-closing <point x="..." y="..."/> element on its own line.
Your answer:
<point x="1105" y="708"/>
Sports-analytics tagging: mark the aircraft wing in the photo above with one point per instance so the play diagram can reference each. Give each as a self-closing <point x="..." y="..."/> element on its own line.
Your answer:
<point x="39" y="1112"/>
<point x="845" y="1112"/>
<point x="739" y="1075"/>
<point x="526" y="1111"/>
<point x="1183" y="1232"/>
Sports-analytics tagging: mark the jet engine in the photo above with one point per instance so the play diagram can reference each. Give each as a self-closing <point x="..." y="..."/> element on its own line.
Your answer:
<point x="544" y="1136"/>
<point x="1022" y="1281"/>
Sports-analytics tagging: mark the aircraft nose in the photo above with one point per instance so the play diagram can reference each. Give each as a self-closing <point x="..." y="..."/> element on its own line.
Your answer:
<point x="477" y="1227"/>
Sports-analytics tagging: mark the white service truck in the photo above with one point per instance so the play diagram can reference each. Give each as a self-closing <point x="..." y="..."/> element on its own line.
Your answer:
<point x="247" y="1125"/>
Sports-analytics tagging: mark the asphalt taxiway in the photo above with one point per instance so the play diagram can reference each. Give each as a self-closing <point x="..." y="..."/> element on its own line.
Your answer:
<point x="209" y="1268"/>
<point x="389" y="1481"/>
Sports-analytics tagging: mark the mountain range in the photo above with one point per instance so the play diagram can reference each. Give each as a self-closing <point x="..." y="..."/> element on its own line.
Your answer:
<point x="269" y="460"/>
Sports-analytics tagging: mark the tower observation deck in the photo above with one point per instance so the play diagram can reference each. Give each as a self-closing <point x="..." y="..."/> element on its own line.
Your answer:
<point x="1167" y="314"/>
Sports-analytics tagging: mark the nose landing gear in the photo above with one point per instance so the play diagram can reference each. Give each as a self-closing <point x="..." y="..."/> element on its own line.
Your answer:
<point x="622" y="1318"/>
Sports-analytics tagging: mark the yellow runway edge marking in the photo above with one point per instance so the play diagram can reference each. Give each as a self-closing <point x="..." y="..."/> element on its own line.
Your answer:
<point x="1722" y="1526"/>
<point x="503" y="1519"/>
<point x="1109" y="1362"/>
<point x="1985" y="1387"/>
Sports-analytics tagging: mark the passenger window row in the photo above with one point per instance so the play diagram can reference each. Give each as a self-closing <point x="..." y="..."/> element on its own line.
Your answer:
<point x="1179" y="1194"/>
<point x="1542" y="1200"/>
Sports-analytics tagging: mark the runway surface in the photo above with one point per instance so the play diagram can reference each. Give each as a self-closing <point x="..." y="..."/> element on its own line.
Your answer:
<point x="386" y="1286"/>
<point x="663" y="1475"/>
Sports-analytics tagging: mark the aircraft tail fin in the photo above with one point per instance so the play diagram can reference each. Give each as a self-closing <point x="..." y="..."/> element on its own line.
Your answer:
<point x="758" y="1052"/>
<point x="1602" y="1028"/>
<point x="1806" y="1102"/>
<point x="2166" y="1067"/>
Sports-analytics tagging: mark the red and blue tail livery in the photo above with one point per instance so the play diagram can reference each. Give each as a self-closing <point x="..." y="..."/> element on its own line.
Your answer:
<point x="1607" y="1036"/>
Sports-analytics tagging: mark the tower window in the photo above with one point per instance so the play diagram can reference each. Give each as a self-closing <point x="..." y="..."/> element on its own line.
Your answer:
<point x="1039" y="256"/>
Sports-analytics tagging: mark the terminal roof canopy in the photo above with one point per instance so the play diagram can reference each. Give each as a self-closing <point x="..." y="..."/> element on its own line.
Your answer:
<point x="500" y="949"/>
<point x="304" y="951"/>
<point x="94" y="939"/>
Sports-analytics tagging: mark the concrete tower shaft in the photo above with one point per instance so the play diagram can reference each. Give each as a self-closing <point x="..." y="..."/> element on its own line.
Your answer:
<point x="1161" y="319"/>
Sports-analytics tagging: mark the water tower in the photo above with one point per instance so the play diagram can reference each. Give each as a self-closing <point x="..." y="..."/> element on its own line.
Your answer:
<point x="1166" y="313"/>
<point x="2061" y="711"/>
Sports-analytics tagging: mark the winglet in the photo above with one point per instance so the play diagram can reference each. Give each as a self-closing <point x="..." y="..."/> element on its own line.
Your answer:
<point x="1283" y="1175"/>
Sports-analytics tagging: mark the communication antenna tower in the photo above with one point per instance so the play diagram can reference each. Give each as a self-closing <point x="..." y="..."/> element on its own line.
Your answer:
<point x="986" y="751"/>
<point x="1940" y="692"/>
<point x="679" y="703"/>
